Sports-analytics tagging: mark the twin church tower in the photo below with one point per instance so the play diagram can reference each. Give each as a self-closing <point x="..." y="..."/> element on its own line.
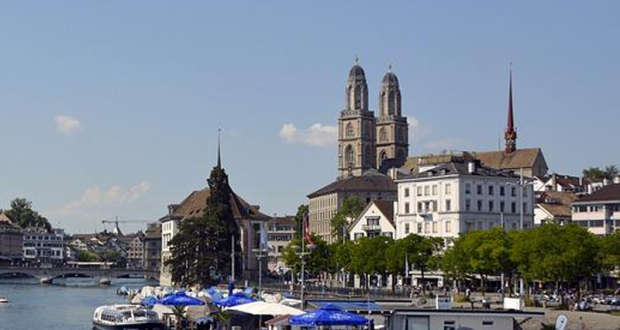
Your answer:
<point x="364" y="141"/>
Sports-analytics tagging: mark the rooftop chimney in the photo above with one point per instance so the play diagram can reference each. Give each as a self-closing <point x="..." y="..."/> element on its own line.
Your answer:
<point x="471" y="167"/>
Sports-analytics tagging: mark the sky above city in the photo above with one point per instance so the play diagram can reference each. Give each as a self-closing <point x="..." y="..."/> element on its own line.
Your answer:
<point x="111" y="108"/>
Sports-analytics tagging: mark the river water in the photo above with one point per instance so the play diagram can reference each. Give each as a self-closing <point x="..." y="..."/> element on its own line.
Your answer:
<point x="56" y="307"/>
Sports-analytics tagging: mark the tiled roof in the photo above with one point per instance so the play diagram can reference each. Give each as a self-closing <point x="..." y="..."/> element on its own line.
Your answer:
<point x="520" y="158"/>
<point x="557" y="210"/>
<point x="458" y="168"/>
<point x="195" y="204"/>
<point x="371" y="181"/>
<point x="606" y="194"/>
<point x="285" y="220"/>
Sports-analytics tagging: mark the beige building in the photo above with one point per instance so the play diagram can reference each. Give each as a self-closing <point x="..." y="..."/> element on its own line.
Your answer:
<point x="325" y="202"/>
<point x="250" y="220"/>
<point x="599" y="212"/>
<point x="11" y="240"/>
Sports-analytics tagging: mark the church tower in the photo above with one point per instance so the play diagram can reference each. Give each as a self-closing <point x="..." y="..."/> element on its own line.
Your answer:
<point x="511" y="133"/>
<point x="356" y="128"/>
<point x="392" y="128"/>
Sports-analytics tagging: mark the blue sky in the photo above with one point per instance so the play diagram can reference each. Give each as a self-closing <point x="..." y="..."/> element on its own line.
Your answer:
<point x="112" y="107"/>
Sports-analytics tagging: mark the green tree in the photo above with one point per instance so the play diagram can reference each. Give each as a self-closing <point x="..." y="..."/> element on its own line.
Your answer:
<point x="302" y="213"/>
<point x="317" y="261"/>
<point x="202" y="247"/>
<point x="369" y="256"/>
<point x="422" y="253"/>
<point x="596" y="173"/>
<point x="351" y="208"/>
<point x="560" y="254"/>
<point x="22" y="214"/>
<point x="609" y="254"/>
<point x="88" y="256"/>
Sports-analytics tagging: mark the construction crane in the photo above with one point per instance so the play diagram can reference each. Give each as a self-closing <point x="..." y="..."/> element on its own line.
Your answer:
<point x="116" y="221"/>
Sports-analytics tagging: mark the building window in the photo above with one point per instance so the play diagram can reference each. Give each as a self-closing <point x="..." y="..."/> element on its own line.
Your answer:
<point x="467" y="205"/>
<point x="382" y="135"/>
<point x="406" y="228"/>
<point x="479" y="205"/>
<point x="448" y="205"/>
<point x="350" y="132"/>
<point x="426" y="228"/>
<point x="406" y="192"/>
<point x="468" y="188"/>
<point x="448" y="226"/>
<point x="349" y="156"/>
<point x="502" y="190"/>
<point x="419" y="191"/>
<point x="434" y="190"/>
<point x="525" y="208"/>
<point x="448" y="189"/>
<point x="406" y="208"/>
<point x="434" y="227"/>
<point x="502" y="207"/>
<point x="491" y="190"/>
<point x="513" y="191"/>
<point x="420" y="208"/>
<point x="479" y="189"/>
<point x="513" y="207"/>
<point x="491" y="206"/>
<point x="426" y="191"/>
<point x="420" y="228"/>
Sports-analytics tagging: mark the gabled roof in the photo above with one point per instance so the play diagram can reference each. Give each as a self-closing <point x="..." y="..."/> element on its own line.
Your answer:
<point x="608" y="193"/>
<point x="285" y="220"/>
<point x="370" y="181"/>
<point x="520" y="158"/>
<point x="195" y="204"/>
<point x="385" y="207"/>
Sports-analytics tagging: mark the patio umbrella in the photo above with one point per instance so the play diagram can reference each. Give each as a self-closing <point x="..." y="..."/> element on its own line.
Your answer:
<point x="234" y="300"/>
<point x="149" y="301"/>
<point x="328" y="315"/>
<point x="180" y="299"/>
<point x="265" y="308"/>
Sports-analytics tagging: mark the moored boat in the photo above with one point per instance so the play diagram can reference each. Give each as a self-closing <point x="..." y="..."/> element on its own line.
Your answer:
<point x="3" y="300"/>
<point x="125" y="317"/>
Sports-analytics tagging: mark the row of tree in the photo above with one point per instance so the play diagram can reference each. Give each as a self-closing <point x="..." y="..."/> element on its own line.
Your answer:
<point x="596" y="173"/>
<point x="550" y="253"/>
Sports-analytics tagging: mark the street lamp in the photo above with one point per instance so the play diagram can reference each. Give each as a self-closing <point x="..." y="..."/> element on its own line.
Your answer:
<point x="260" y="254"/>
<point x="302" y="253"/>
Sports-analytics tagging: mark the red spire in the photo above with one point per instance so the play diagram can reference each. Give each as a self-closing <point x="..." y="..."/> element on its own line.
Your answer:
<point x="511" y="133"/>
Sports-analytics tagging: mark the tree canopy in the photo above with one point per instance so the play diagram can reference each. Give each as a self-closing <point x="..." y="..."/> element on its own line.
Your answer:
<point x="597" y="173"/>
<point x="351" y="208"/>
<point x="22" y="214"/>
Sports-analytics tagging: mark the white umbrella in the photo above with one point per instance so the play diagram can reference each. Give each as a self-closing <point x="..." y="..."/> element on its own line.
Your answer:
<point x="265" y="308"/>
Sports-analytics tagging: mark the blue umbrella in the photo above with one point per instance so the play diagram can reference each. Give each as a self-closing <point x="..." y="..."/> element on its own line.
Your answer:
<point x="214" y="293"/>
<point x="149" y="301"/>
<point x="328" y="315"/>
<point x="234" y="300"/>
<point x="181" y="299"/>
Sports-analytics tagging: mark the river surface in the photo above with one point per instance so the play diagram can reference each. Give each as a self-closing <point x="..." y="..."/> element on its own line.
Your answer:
<point x="54" y="307"/>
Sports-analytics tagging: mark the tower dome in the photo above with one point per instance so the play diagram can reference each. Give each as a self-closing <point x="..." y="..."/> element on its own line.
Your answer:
<point x="390" y="79"/>
<point x="357" y="72"/>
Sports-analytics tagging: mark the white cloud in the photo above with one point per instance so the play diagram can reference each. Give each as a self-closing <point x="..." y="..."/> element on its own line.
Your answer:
<point x="67" y="125"/>
<point x="95" y="199"/>
<point x="316" y="135"/>
<point x="418" y="131"/>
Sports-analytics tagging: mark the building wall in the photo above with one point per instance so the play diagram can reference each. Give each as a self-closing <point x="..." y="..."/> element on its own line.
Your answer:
<point x="372" y="223"/>
<point x="448" y="206"/>
<point x="598" y="217"/>
<point x="11" y="241"/>
<point x="280" y="236"/>
<point x="44" y="247"/>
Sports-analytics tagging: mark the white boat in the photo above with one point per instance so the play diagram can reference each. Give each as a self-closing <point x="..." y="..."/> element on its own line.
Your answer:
<point x="3" y="300"/>
<point x="126" y="317"/>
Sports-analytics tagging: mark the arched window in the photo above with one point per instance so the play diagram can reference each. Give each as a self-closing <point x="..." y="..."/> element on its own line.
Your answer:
<point x="349" y="130"/>
<point x="382" y="135"/>
<point x="383" y="156"/>
<point x="358" y="97"/>
<point x="349" y="156"/>
<point x="391" y="103"/>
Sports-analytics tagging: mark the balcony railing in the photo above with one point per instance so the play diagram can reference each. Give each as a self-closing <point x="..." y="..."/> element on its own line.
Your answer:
<point x="371" y="228"/>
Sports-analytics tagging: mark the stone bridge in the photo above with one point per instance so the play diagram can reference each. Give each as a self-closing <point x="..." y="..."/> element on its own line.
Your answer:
<point x="103" y="275"/>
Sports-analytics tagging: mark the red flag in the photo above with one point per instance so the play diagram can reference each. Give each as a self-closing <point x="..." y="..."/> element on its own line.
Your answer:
<point x="307" y="235"/>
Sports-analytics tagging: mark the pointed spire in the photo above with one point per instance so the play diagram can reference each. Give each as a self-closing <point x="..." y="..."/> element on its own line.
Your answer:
<point x="510" y="134"/>
<point x="219" y="156"/>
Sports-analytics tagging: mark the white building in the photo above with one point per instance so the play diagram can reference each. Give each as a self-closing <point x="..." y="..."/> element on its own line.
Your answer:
<point x="41" y="246"/>
<point x="599" y="212"/>
<point x="553" y="207"/>
<point x="377" y="219"/>
<point x="459" y="196"/>
<point x="280" y="233"/>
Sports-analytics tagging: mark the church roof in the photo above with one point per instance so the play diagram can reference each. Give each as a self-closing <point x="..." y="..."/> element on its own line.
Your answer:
<point x="371" y="181"/>
<point x="390" y="78"/>
<point x="195" y="204"/>
<point x="520" y="158"/>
